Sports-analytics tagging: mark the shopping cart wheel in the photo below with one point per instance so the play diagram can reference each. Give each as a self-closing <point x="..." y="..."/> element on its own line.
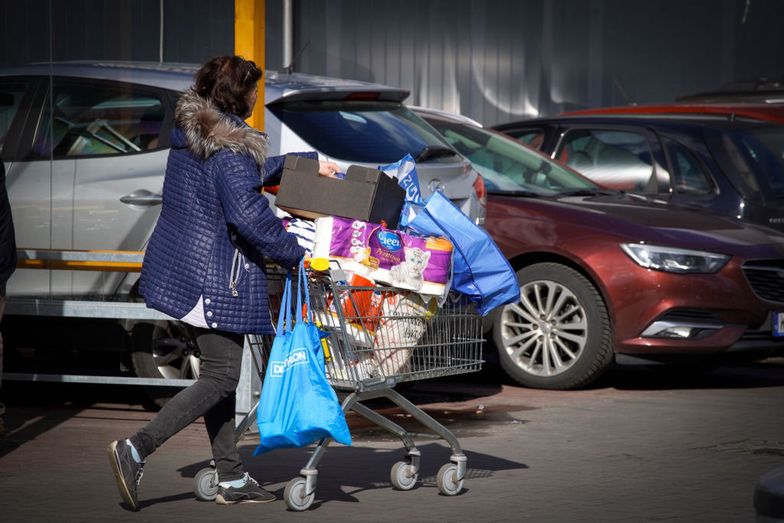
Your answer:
<point x="403" y="476"/>
<point x="447" y="480"/>
<point x="296" y="495"/>
<point x="205" y="484"/>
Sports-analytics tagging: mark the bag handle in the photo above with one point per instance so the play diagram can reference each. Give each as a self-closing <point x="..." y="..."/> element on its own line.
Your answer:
<point x="284" y="316"/>
<point x="302" y="287"/>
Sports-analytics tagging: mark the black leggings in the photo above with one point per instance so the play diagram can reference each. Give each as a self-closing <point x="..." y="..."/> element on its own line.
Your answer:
<point x="212" y="396"/>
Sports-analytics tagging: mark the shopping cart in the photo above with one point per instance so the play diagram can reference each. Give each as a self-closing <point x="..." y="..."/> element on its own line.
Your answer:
<point x="379" y="337"/>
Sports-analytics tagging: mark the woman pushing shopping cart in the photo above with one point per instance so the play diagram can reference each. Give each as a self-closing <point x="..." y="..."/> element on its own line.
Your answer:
<point x="371" y="338"/>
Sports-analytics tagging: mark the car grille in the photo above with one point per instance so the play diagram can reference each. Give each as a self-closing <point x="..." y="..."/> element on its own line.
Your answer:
<point x="766" y="277"/>
<point x="757" y="335"/>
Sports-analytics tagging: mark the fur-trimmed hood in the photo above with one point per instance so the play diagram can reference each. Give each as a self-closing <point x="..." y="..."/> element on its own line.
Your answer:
<point x="207" y="130"/>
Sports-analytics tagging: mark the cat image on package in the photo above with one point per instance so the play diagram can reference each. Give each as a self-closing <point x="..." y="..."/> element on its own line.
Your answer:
<point x="411" y="271"/>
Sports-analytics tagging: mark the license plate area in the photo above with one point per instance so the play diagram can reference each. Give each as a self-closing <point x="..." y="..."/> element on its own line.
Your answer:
<point x="778" y="324"/>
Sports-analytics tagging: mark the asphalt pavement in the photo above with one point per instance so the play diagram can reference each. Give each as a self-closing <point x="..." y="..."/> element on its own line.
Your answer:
<point x="645" y="444"/>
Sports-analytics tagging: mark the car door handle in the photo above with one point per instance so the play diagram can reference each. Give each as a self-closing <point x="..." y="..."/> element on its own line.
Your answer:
<point x="142" y="197"/>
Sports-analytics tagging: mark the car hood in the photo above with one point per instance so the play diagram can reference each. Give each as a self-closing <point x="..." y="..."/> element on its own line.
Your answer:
<point x="633" y="220"/>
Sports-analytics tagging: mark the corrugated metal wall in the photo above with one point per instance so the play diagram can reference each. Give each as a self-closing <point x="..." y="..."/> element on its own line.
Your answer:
<point x="493" y="60"/>
<point x="506" y="59"/>
<point x="114" y="30"/>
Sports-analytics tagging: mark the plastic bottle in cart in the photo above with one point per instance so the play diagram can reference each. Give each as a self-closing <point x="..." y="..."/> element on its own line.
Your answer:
<point x="373" y="314"/>
<point x="321" y="265"/>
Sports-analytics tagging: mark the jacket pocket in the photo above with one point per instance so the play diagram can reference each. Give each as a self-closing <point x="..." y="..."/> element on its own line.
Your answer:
<point x="235" y="274"/>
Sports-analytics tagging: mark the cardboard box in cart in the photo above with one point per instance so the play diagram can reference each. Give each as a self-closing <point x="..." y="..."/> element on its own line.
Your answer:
<point x="365" y="194"/>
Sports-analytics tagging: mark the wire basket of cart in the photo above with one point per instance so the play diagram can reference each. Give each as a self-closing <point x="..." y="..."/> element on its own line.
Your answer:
<point x="380" y="336"/>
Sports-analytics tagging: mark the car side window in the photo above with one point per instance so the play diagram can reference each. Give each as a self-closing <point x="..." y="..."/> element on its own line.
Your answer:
<point x="531" y="137"/>
<point x="617" y="159"/>
<point x="103" y="119"/>
<point x="688" y="175"/>
<point x="11" y="94"/>
<point x="764" y="149"/>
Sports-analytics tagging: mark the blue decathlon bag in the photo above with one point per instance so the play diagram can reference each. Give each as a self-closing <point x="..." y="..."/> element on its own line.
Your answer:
<point x="298" y="406"/>
<point x="481" y="271"/>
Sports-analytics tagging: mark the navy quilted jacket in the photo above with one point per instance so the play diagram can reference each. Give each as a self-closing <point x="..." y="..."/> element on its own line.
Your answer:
<point x="7" y="239"/>
<point x="215" y="227"/>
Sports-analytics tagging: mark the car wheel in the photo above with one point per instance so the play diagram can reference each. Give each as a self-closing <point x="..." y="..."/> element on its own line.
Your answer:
<point x="558" y="336"/>
<point x="163" y="349"/>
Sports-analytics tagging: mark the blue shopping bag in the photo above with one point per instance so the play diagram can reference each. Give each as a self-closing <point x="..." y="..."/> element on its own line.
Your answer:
<point x="298" y="406"/>
<point x="404" y="171"/>
<point x="481" y="271"/>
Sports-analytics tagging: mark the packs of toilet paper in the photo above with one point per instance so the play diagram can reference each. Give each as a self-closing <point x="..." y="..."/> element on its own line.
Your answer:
<point x="386" y="256"/>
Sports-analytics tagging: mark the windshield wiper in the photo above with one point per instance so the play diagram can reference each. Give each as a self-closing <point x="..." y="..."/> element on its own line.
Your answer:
<point x="521" y="192"/>
<point x="588" y="192"/>
<point x="434" y="151"/>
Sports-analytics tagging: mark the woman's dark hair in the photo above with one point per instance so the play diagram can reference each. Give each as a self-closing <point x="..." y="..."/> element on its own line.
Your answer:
<point x="227" y="81"/>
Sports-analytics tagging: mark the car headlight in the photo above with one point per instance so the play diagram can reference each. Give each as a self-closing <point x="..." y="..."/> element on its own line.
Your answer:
<point x="670" y="259"/>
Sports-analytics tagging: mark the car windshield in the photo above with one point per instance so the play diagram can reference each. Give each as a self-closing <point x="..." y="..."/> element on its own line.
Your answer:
<point x="364" y="132"/>
<point x="758" y="155"/>
<point x="507" y="166"/>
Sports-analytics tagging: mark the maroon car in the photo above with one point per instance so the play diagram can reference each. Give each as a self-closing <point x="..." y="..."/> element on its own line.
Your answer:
<point x="604" y="272"/>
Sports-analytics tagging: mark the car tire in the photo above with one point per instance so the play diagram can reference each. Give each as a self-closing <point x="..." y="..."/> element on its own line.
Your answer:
<point x="163" y="349"/>
<point x="560" y="340"/>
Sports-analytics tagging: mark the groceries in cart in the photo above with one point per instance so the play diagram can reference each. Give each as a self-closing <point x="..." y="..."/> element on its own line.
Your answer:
<point x="394" y="258"/>
<point x="431" y="230"/>
<point x="393" y="280"/>
<point x="382" y="325"/>
<point x="481" y="272"/>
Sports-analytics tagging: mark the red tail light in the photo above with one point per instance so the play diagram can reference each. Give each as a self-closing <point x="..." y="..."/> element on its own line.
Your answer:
<point x="363" y="96"/>
<point x="480" y="190"/>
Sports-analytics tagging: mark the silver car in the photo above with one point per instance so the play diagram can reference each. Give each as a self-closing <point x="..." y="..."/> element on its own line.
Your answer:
<point x="85" y="147"/>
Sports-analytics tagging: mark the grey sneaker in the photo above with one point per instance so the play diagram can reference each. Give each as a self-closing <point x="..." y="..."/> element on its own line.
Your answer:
<point x="127" y="472"/>
<point x="250" y="492"/>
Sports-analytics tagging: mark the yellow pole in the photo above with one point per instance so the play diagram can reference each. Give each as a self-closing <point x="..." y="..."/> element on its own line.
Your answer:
<point x="249" y="30"/>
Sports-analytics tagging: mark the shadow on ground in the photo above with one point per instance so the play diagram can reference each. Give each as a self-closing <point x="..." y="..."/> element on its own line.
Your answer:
<point x="765" y="373"/>
<point x="346" y="471"/>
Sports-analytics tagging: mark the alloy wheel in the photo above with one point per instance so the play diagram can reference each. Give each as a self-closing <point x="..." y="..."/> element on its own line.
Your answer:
<point x="546" y="333"/>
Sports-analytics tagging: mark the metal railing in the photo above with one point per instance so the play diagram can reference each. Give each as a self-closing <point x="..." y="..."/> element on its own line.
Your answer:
<point x="102" y="308"/>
